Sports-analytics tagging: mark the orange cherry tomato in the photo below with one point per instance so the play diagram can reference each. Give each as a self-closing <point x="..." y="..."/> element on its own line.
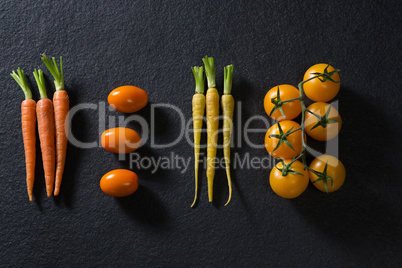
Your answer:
<point x="120" y="140"/>
<point x="317" y="90"/>
<point x="292" y="185"/>
<point x="286" y="92"/>
<point x="284" y="151"/>
<point x="128" y="99"/>
<point x="119" y="183"/>
<point x="335" y="169"/>
<point x="320" y="133"/>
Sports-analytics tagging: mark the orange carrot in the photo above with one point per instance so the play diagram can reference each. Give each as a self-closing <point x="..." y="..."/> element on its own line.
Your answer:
<point x="61" y="105"/>
<point x="45" y="116"/>
<point x="28" y="122"/>
<point x="61" y="108"/>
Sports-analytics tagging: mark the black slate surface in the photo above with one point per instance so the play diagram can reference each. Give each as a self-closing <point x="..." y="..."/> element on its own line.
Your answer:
<point x="152" y="45"/>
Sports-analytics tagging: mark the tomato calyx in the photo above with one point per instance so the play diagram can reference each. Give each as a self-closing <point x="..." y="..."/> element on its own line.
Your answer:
<point x="323" y="176"/>
<point x="287" y="169"/>
<point x="327" y="75"/>
<point x="323" y="120"/>
<point x="282" y="136"/>
<point x="277" y="104"/>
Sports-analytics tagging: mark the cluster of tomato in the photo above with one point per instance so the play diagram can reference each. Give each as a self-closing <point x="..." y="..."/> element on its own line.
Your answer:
<point x="285" y="141"/>
<point x="122" y="140"/>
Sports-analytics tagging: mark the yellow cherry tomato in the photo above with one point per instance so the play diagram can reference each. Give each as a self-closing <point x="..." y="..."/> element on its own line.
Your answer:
<point x="317" y="90"/>
<point x="335" y="169"/>
<point x="292" y="185"/>
<point x="119" y="183"/>
<point x="284" y="151"/>
<point x="331" y="129"/>
<point x="286" y="92"/>
<point x="120" y="140"/>
<point x="128" y="99"/>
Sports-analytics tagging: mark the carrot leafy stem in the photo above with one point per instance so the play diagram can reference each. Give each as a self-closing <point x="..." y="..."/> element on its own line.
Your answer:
<point x="199" y="79"/>
<point x="210" y="71"/>
<point x="20" y="78"/>
<point x="57" y="73"/>
<point x="40" y="81"/>
<point x="228" y="77"/>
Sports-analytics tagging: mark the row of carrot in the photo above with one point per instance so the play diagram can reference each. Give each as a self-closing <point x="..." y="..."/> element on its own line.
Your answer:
<point x="52" y="126"/>
<point x="210" y="102"/>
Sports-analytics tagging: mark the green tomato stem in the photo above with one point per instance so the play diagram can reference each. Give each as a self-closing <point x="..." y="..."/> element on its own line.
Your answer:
<point x="302" y="155"/>
<point x="290" y="100"/>
<point x="291" y="132"/>
<point x="304" y="109"/>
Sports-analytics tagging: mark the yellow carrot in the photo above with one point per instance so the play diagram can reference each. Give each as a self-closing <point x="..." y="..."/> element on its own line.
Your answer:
<point x="227" y="110"/>
<point x="198" y="114"/>
<point x="212" y="107"/>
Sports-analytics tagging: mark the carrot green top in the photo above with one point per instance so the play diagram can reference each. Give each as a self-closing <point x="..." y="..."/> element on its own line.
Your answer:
<point x="210" y="71"/>
<point x="227" y="84"/>
<point x="40" y="81"/>
<point x="22" y="82"/>
<point x="57" y="74"/>
<point x="199" y="79"/>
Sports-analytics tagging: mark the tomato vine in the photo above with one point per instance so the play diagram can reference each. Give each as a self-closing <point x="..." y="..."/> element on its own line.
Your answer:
<point x="324" y="76"/>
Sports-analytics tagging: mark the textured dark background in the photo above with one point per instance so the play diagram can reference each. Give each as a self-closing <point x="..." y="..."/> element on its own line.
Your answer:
<point x="152" y="45"/>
